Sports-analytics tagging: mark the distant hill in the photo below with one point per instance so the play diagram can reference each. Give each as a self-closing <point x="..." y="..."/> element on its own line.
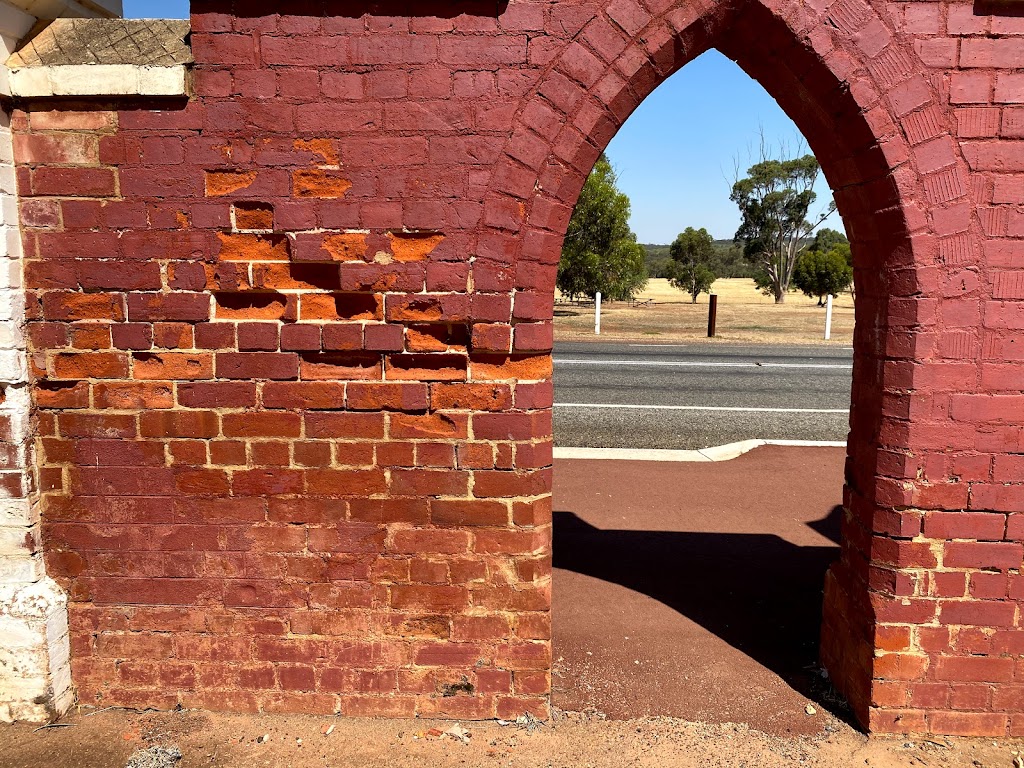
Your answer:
<point x="729" y="260"/>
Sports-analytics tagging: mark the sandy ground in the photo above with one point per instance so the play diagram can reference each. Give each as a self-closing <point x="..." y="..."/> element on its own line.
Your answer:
<point x="107" y="739"/>
<point x="744" y="315"/>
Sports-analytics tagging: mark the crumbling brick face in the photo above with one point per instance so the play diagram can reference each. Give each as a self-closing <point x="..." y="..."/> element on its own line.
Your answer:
<point x="291" y="348"/>
<point x="260" y="428"/>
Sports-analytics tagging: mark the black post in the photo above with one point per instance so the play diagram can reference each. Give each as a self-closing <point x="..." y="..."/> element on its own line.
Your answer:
<point x="713" y="315"/>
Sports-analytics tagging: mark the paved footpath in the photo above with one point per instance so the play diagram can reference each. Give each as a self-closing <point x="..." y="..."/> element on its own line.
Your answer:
<point x="691" y="396"/>
<point x="693" y="590"/>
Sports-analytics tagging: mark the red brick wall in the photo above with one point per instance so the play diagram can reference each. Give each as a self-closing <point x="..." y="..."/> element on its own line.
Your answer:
<point x="291" y="345"/>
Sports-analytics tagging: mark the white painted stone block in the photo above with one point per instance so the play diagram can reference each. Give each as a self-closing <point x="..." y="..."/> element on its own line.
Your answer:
<point x="35" y="678"/>
<point x="10" y="209"/>
<point x="13" y="243"/>
<point x="18" y="398"/>
<point x="8" y="180"/>
<point x="17" y="633"/>
<point x="25" y="82"/>
<point x="11" y="335"/>
<point x="22" y="683"/>
<point x="22" y="569"/>
<point x="8" y="309"/>
<point x="17" y="410"/>
<point x="63" y="689"/>
<point x="17" y="540"/>
<point x="98" y="80"/>
<point x="13" y="367"/>
<point x="79" y="79"/>
<point x="18" y="512"/>
<point x="10" y="274"/>
<point x="162" y="81"/>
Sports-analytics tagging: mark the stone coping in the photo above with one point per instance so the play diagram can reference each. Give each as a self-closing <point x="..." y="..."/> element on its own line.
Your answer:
<point x="142" y="42"/>
<point x="82" y="80"/>
<point x="103" y="57"/>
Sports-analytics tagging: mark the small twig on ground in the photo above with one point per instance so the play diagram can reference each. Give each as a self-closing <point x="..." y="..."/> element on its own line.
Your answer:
<point x="53" y="725"/>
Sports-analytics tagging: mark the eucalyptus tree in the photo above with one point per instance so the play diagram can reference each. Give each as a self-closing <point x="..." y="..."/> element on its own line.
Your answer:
<point x="775" y="199"/>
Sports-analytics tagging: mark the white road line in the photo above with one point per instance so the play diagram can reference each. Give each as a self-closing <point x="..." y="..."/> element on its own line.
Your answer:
<point x="695" y="364"/>
<point x="733" y="409"/>
<point x="717" y="453"/>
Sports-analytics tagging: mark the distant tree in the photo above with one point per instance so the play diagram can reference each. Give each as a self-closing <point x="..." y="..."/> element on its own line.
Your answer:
<point x="826" y="239"/>
<point x="729" y="260"/>
<point x="600" y="251"/>
<point x="657" y="259"/>
<point x="824" y="273"/>
<point x="774" y="200"/>
<point x="693" y="254"/>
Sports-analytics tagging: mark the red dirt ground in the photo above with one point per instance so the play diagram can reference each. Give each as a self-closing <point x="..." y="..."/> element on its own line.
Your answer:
<point x="231" y="741"/>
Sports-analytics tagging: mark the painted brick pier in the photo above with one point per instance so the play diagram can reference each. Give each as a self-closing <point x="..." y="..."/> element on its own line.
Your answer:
<point x="289" y="343"/>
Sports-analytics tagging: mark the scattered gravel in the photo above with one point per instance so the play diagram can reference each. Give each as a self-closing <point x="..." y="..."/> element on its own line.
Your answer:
<point x="155" y="757"/>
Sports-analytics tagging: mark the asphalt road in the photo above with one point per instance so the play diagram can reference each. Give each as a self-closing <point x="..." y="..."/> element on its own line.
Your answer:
<point x="693" y="396"/>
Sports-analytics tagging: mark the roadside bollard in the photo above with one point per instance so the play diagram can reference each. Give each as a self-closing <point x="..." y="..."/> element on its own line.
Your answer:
<point x="712" y="315"/>
<point x="597" y="314"/>
<point x="828" y="318"/>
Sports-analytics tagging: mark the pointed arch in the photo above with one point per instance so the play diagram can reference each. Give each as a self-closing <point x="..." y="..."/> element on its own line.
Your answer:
<point x="883" y="133"/>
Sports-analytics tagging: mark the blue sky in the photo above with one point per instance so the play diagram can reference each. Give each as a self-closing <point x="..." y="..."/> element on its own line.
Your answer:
<point x="156" y="9"/>
<point x="676" y="155"/>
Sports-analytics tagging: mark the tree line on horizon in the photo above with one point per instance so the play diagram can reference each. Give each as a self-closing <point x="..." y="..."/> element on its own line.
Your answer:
<point x="776" y="245"/>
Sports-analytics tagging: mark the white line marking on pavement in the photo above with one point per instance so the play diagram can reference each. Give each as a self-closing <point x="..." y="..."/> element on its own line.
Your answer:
<point x="717" y="453"/>
<point x="732" y="409"/>
<point x="695" y="364"/>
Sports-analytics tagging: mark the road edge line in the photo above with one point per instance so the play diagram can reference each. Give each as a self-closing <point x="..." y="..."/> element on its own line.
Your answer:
<point x="715" y="453"/>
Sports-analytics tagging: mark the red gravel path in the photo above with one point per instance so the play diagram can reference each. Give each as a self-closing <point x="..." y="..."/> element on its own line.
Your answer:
<point x="694" y="589"/>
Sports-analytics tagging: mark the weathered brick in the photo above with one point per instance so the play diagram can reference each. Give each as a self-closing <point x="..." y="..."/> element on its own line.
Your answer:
<point x="266" y="323"/>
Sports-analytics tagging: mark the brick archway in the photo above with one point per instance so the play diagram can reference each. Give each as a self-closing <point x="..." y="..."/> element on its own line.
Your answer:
<point x="289" y="339"/>
<point x="883" y="136"/>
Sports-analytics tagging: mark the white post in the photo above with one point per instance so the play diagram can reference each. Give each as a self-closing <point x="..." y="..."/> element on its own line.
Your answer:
<point x="828" y="318"/>
<point x="597" y="314"/>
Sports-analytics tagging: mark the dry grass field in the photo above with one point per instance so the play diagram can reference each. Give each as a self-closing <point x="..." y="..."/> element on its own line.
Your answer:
<point x="744" y="315"/>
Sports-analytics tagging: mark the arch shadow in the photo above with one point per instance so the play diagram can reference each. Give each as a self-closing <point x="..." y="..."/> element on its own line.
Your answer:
<point x="757" y="592"/>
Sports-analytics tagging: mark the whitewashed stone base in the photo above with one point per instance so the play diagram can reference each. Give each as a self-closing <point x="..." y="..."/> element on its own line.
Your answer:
<point x="35" y="674"/>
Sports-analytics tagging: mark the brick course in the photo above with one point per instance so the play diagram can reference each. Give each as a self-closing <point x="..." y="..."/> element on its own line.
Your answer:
<point x="290" y="344"/>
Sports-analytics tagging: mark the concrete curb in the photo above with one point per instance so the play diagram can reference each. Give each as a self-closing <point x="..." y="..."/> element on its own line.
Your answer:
<point x="716" y="453"/>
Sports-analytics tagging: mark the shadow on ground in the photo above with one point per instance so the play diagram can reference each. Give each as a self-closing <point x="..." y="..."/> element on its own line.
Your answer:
<point x="718" y="625"/>
<point x="757" y="592"/>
